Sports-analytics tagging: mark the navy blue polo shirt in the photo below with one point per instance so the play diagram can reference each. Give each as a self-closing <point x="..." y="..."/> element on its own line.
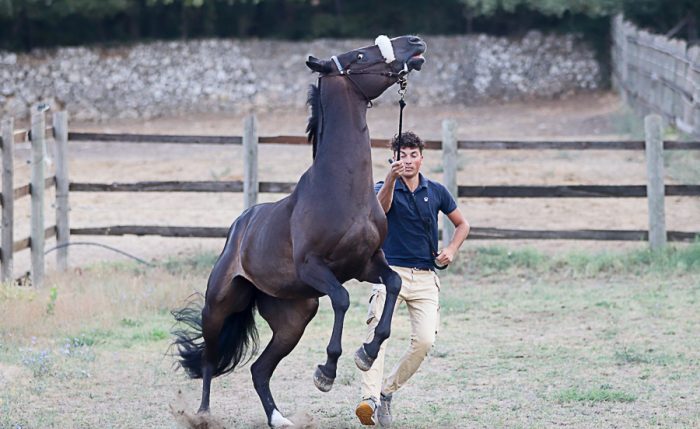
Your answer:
<point x="406" y="244"/>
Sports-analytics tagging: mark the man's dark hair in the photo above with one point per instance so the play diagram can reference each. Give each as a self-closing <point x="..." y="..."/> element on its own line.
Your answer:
<point x="408" y="139"/>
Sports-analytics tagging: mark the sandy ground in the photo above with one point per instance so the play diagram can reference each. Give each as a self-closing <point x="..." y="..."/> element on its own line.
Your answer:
<point x="514" y="350"/>
<point x="590" y="116"/>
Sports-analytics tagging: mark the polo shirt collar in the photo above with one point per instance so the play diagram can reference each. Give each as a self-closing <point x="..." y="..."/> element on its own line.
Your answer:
<point x="422" y="183"/>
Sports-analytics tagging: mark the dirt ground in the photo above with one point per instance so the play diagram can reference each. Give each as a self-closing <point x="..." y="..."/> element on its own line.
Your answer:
<point x="586" y="116"/>
<point x="514" y="350"/>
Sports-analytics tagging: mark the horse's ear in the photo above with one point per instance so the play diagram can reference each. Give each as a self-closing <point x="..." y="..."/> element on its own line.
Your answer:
<point x="320" y="66"/>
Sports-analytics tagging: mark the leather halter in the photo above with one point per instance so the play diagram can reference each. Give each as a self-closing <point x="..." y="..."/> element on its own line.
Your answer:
<point x="348" y="71"/>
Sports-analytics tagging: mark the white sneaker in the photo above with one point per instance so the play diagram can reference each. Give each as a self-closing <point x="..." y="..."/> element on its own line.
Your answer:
<point x="366" y="411"/>
<point x="384" y="411"/>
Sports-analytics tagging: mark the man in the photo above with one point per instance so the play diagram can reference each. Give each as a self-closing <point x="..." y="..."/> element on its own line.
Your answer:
<point x="411" y="203"/>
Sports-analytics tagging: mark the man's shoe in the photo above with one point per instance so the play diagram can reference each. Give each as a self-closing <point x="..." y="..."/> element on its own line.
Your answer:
<point x="365" y="411"/>
<point x="384" y="411"/>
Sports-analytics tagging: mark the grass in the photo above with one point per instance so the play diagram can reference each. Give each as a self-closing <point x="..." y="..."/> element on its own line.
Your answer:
<point x="526" y="340"/>
<point x="488" y="261"/>
<point x="602" y="394"/>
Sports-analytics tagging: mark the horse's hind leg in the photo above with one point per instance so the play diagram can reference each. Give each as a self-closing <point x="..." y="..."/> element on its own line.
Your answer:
<point x="225" y="296"/>
<point x="287" y="319"/>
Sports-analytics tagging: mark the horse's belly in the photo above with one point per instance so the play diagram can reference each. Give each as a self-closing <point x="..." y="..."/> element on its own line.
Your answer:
<point x="354" y="251"/>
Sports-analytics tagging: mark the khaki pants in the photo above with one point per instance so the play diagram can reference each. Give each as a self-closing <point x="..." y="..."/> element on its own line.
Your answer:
<point x="419" y="290"/>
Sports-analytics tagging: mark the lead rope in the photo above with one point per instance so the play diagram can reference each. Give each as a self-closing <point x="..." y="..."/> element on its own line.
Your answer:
<point x="403" y="85"/>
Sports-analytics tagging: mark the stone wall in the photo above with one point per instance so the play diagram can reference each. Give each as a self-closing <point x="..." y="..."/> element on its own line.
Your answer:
<point x="168" y="78"/>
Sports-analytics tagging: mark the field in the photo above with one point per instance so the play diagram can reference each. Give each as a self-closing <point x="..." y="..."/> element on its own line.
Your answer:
<point x="533" y="334"/>
<point x="526" y="340"/>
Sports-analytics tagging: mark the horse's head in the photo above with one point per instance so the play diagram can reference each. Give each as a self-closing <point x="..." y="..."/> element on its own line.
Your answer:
<point x="373" y="69"/>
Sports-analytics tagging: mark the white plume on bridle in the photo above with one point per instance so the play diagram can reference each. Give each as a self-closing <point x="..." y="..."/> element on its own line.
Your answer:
<point x="385" y="48"/>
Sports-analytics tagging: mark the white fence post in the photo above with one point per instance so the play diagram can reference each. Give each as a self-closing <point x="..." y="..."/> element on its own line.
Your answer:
<point x="449" y="163"/>
<point x="250" y="162"/>
<point x="655" y="181"/>
<point x="8" y="199"/>
<point x="37" y="192"/>
<point x="60" y="125"/>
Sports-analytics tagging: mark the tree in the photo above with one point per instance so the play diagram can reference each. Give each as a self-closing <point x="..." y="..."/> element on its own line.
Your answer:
<point x="591" y="8"/>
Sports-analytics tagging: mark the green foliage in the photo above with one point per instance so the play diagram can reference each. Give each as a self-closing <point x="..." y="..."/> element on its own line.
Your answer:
<point x="51" y="9"/>
<point x="53" y="296"/>
<point x="592" y="8"/>
<point x="25" y="24"/>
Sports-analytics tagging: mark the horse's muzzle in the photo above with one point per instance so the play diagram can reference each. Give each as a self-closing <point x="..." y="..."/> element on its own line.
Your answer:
<point x="415" y="62"/>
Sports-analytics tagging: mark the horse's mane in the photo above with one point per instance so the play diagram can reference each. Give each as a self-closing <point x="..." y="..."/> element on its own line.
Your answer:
<point x="314" y="101"/>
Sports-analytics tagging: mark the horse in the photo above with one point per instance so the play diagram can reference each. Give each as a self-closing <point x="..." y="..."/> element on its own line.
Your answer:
<point x="281" y="257"/>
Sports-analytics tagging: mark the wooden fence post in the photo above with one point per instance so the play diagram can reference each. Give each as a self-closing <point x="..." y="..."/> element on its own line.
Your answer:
<point x="60" y="125"/>
<point x="8" y="200"/>
<point x="449" y="163"/>
<point x="37" y="192"/>
<point x="250" y="162"/>
<point x="655" y="181"/>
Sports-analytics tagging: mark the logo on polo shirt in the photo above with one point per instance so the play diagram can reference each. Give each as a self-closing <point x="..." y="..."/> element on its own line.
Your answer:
<point x="425" y="199"/>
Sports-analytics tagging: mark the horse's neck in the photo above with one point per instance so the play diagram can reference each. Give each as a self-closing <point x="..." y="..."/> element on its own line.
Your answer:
<point x="344" y="138"/>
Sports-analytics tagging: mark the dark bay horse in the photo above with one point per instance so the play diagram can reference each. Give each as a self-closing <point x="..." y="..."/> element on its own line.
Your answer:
<point x="281" y="257"/>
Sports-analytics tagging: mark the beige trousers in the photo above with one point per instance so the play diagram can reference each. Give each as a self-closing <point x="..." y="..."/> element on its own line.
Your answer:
<point x="419" y="290"/>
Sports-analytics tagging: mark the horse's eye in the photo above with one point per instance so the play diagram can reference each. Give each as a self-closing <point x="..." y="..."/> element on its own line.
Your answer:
<point x="360" y="56"/>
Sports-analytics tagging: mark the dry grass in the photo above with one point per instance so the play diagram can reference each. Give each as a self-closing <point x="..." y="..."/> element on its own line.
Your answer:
<point x="96" y="297"/>
<point x="520" y="345"/>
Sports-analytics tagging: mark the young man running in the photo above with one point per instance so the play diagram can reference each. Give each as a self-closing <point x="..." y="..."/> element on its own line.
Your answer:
<point x="411" y="203"/>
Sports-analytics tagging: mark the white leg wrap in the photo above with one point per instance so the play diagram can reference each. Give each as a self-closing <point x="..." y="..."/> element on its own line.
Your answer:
<point x="278" y="420"/>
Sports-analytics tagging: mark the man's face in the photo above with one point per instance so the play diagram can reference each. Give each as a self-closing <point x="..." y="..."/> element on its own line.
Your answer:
<point x="412" y="159"/>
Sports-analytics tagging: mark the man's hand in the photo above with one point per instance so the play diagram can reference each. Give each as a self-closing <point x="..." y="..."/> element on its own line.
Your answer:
<point x="445" y="257"/>
<point x="397" y="169"/>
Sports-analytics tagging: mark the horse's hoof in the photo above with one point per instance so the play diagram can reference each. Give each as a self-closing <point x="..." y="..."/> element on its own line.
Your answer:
<point x="362" y="360"/>
<point x="278" y="421"/>
<point x="323" y="382"/>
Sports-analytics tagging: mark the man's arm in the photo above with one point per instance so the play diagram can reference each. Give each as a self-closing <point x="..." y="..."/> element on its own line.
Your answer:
<point x="446" y="255"/>
<point x="386" y="193"/>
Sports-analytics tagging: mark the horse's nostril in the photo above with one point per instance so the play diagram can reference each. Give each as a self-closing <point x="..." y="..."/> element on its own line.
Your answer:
<point x="415" y="40"/>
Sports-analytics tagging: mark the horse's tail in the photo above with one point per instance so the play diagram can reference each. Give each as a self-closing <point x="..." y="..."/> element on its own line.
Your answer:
<point x="238" y="339"/>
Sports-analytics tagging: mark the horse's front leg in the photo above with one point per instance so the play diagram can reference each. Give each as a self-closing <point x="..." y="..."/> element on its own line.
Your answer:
<point x="312" y="271"/>
<point x="379" y="272"/>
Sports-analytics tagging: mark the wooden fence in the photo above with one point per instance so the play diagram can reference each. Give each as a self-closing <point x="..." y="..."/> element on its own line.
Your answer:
<point x="656" y="74"/>
<point x="654" y="190"/>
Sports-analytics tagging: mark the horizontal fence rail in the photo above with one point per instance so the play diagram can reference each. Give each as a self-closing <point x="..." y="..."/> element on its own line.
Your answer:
<point x="26" y="190"/>
<point x="382" y="143"/>
<point x="25" y="136"/>
<point x="476" y="233"/>
<point x="26" y="242"/>
<point x="562" y="191"/>
<point x="152" y="138"/>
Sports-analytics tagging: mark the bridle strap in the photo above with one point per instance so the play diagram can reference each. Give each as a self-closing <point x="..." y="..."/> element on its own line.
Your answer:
<point x="348" y="72"/>
<point x="341" y="70"/>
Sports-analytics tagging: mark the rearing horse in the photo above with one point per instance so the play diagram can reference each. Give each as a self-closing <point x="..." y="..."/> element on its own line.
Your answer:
<point x="281" y="257"/>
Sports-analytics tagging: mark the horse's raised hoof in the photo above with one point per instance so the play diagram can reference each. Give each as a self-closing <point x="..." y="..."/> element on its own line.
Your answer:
<point x="362" y="359"/>
<point x="322" y="381"/>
